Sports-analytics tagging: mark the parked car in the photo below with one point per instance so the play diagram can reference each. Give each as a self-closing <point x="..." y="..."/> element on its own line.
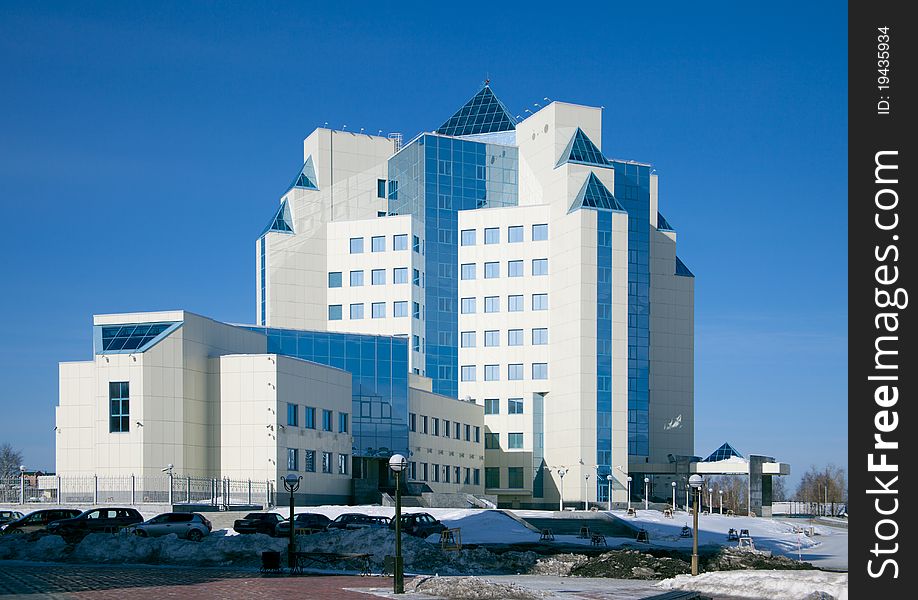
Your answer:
<point x="95" y="520"/>
<point x="358" y="521"/>
<point x="304" y="523"/>
<point x="420" y="524"/>
<point x="8" y="516"/>
<point x="190" y="526"/>
<point x="258" y="523"/>
<point x="38" y="519"/>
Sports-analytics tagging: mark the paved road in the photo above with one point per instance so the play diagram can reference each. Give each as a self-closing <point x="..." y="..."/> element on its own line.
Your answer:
<point x="91" y="582"/>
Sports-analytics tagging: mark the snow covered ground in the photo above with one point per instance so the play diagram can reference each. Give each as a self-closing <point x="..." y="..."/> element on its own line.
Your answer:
<point x="773" y="585"/>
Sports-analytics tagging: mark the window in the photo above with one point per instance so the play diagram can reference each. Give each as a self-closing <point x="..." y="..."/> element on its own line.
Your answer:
<point x="492" y="270"/>
<point x="492" y="338"/>
<point x="378" y="277"/>
<point x="356" y="245"/>
<point x="400" y="241"/>
<point x="400" y="309"/>
<point x="446" y="473"/>
<point x="380" y="188"/>
<point x="468" y="476"/>
<point x="400" y="275"/>
<point x="326" y="420"/>
<point x="492" y="304"/>
<point x="416" y="343"/>
<point x="456" y="472"/>
<point x="309" y="461"/>
<point x="293" y="459"/>
<point x="378" y="310"/>
<point x="334" y="312"/>
<point x="492" y="477"/>
<point x="476" y="476"/>
<point x="435" y="471"/>
<point x="467" y="339"/>
<point x="540" y="336"/>
<point x="514" y="303"/>
<point x="342" y="464"/>
<point x="467" y="271"/>
<point x="492" y="235"/>
<point x="492" y="372"/>
<point x="468" y="433"/>
<point x="492" y="406"/>
<point x="540" y="266"/>
<point x="540" y="302"/>
<point x="423" y="471"/>
<point x="515" y="337"/>
<point x="467" y="237"/>
<point x="334" y="279"/>
<point x="423" y="423"/>
<point x="515" y="441"/>
<point x="492" y="441"/>
<point x="119" y="417"/>
<point x="468" y="306"/>
<point x="477" y="434"/>
<point x="436" y="426"/>
<point x="342" y="422"/>
<point x="539" y="232"/>
<point x="515" y="406"/>
<point x="515" y="477"/>
<point x="515" y="234"/>
<point x="468" y="374"/>
<point x="515" y="372"/>
<point x="416" y="244"/>
<point x="356" y="311"/>
<point x="445" y="428"/>
<point x="378" y="243"/>
<point x="292" y="412"/>
<point x="356" y="278"/>
<point x="326" y="462"/>
<point x="415" y="310"/>
<point x="412" y="422"/>
<point x="540" y="370"/>
<point x="310" y="421"/>
<point x="416" y="277"/>
<point x="457" y="429"/>
<point x="515" y="268"/>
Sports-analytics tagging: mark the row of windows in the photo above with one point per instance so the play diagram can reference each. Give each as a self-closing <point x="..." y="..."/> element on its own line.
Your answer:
<point x="469" y="271"/>
<point x="469" y="339"/>
<point x="309" y="461"/>
<point x="514" y="478"/>
<point x="377" y="310"/>
<point x="492" y="372"/>
<point x="469" y="306"/>
<point x="309" y="420"/>
<point x="514" y="406"/>
<point x="378" y="243"/>
<point x="515" y="234"/>
<point x="445" y="473"/>
<point x="431" y="426"/>
<point x="514" y="441"/>
<point x="377" y="277"/>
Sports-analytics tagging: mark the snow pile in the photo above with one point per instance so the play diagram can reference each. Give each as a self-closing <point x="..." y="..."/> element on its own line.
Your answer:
<point x="774" y="585"/>
<point x="472" y="588"/>
<point x="49" y="547"/>
<point x="212" y="550"/>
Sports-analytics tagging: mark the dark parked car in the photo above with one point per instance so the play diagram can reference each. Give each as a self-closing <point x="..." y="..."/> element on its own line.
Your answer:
<point x="258" y="523"/>
<point x="8" y="516"/>
<point x="420" y="524"/>
<point x="358" y="521"/>
<point x="191" y="526"/>
<point x="96" y="520"/>
<point x="39" y="519"/>
<point x="304" y="523"/>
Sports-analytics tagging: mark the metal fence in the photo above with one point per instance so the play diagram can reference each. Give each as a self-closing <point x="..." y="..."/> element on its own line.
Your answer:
<point x="166" y="489"/>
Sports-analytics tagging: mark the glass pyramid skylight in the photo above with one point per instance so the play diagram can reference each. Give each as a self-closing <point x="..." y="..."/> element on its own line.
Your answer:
<point x="594" y="194"/>
<point x="306" y="179"/>
<point x="282" y="220"/>
<point x="723" y="453"/>
<point x="484" y="113"/>
<point x="581" y="149"/>
<point x="663" y="224"/>
<point x="681" y="269"/>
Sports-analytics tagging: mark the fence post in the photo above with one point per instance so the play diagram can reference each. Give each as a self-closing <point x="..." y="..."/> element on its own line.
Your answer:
<point x="133" y="487"/>
<point x="250" y="493"/>
<point x="267" y="494"/>
<point x="188" y="489"/>
<point x="213" y="491"/>
<point x="170" y="488"/>
<point x="95" y="489"/>
<point x="59" y="488"/>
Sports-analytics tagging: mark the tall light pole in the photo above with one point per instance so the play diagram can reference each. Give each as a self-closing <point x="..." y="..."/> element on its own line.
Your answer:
<point x="22" y="470"/>
<point x="646" y="493"/>
<point x="586" y="491"/>
<point x="398" y="463"/>
<point x="674" y="497"/>
<point x="291" y="484"/>
<point x="629" y="492"/>
<point x="609" y="479"/>
<point x="561" y="473"/>
<point x="721" y="494"/>
<point x="696" y="482"/>
<point x="711" y="500"/>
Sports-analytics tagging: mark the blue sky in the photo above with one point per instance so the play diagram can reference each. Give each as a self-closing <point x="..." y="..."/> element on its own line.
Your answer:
<point x="143" y="148"/>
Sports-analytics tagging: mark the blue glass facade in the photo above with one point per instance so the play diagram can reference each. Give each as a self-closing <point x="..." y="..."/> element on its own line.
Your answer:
<point x="379" y="369"/>
<point x="603" y="342"/>
<point x="261" y="252"/>
<point x="434" y="177"/>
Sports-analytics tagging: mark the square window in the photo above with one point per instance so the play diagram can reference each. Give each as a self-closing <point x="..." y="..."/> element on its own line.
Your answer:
<point x="515" y="234"/>
<point x="540" y="370"/>
<point x="356" y="278"/>
<point x="356" y="311"/>
<point x="491" y="406"/>
<point x="492" y="304"/>
<point x="400" y="309"/>
<point x="334" y="279"/>
<point x="400" y="241"/>
<point x="468" y="374"/>
<point x="467" y="339"/>
<point x="378" y="277"/>
<point x="378" y="243"/>
<point x="515" y="441"/>
<point x="514" y="303"/>
<point x="492" y="270"/>
<point x="356" y="245"/>
<point x="492" y="372"/>
<point x="515" y="337"/>
<point x="540" y="336"/>
<point x="468" y="306"/>
<point x="492" y="235"/>
<point x="492" y="477"/>
<point x="540" y="302"/>
<point x="400" y="275"/>
<point x="467" y="271"/>
<point x="539" y="232"/>
<point x="515" y="406"/>
<point x="378" y="310"/>
<point x="515" y="372"/>
<point x="492" y="441"/>
<point x="492" y="338"/>
<point x="334" y="312"/>
<point x="467" y="237"/>
<point x="515" y="477"/>
<point x="540" y="266"/>
<point x="515" y="268"/>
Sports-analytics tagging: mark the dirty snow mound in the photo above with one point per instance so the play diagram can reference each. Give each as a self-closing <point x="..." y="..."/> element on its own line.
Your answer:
<point x="631" y="564"/>
<point x="559" y="565"/>
<point x="774" y="585"/>
<point x="472" y="588"/>
<point x="170" y="550"/>
<point x="22" y="547"/>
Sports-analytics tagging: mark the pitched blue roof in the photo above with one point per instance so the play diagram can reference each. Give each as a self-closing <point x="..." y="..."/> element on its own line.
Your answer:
<point x="594" y="194"/>
<point x="306" y="178"/>
<point x="681" y="269"/>
<point x="663" y="224"/>
<point x="581" y="149"/>
<point x="282" y="221"/>
<point x="484" y="113"/>
<point x="723" y="453"/>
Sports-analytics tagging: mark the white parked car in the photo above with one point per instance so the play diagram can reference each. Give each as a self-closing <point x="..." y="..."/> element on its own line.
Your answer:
<point x="190" y="526"/>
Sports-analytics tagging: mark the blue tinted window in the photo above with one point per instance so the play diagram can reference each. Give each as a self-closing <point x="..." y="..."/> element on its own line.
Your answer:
<point x="515" y="234"/>
<point x="539" y="232"/>
<point x="540" y="266"/>
<point x="468" y="306"/>
<point x="119" y="416"/>
<point x="491" y="406"/>
<point x="378" y="243"/>
<point x="540" y="302"/>
<point x="334" y="312"/>
<point x="492" y="338"/>
<point x="515" y="268"/>
<point x="515" y="442"/>
<point x="132" y="336"/>
<point x="467" y="271"/>
<point x="356" y="311"/>
<point x="292" y="413"/>
<point x="492" y="372"/>
<point x="468" y="237"/>
<point x="515" y="372"/>
<point x="400" y="275"/>
<point x="378" y="277"/>
<point x="334" y="279"/>
<point x="515" y="406"/>
<point x="515" y="303"/>
<point x="326" y="420"/>
<point x="379" y="310"/>
<point x="468" y="339"/>
<point x="415" y="310"/>
<point x="483" y="113"/>
<point x="400" y="241"/>
<point x="356" y="278"/>
<point x="467" y="373"/>
<point x="492" y="235"/>
<point x="310" y="421"/>
<point x="380" y="188"/>
<point x="492" y="270"/>
<point x="515" y="337"/>
<point x="540" y="370"/>
<point x="581" y="149"/>
<point x="539" y="337"/>
<point x="356" y="245"/>
<point x="342" y="422"/>
<point x="400" y="309"/>
<point x="492" y="304"/>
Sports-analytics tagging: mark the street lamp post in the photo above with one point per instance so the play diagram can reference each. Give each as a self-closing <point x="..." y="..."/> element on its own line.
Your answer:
<point x="629" y="492"/>
<point x="561" y="473"/>
<point x="586" y="492"/>
<point x="711" y="500"/>
<point x="22" y="470"/>
<point x="609" y="479"/>
<point x="646" y="493"/>
<point x="291" y="484"/>
<point x="696" y="482"/>
<point x="398" y="463"/>
<point x="721" y="494"/>
<point x="674" y="496"/>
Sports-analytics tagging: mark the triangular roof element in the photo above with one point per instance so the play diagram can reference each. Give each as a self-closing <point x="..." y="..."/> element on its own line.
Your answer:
<point x="594" y="194"/>
<point x="483" y="113"/>
<point x="723" y="453"/>
<point x="582" y="150"/>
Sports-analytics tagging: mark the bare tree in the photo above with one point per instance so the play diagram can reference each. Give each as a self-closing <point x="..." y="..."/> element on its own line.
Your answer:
<point x="828" y="484"/>
<point x="735" y="491"/>
<point x="10" y="460"/>
<point x="778" y="489"/>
